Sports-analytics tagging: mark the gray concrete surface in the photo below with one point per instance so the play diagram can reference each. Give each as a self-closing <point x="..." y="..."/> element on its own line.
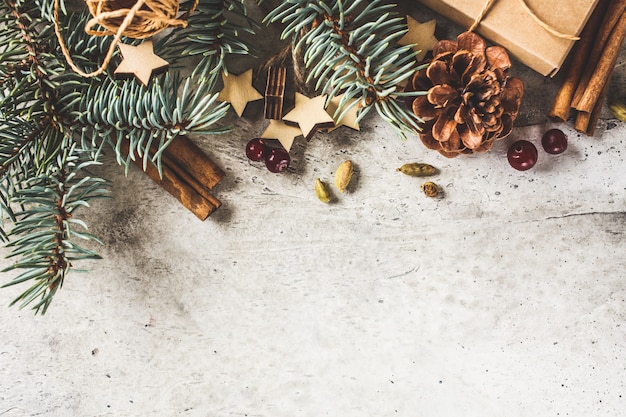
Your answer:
<point x="506" y="297"/>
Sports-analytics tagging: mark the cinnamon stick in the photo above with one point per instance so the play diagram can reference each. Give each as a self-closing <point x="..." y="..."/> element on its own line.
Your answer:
<point x="189" y="197"/>
<point x="275" y="92"/>
<point x="178" y="182"/>
<point x="594" y="117"/>
<point x="611" y="18"/>
<point x="586" y="122"/>
<point x="563" y="101"/>
<point x="604" y="67"/>
<point x="581" y="123"/>
<point x="183" y="176"/>
<point x="192" y="159"/>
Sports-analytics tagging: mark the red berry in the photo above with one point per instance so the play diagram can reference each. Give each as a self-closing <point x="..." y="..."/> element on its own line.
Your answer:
<point x="554" y="141"/>
<point x="277" y="160"/>
<point x="256" y="149"/>
<point x="522" y="155"/>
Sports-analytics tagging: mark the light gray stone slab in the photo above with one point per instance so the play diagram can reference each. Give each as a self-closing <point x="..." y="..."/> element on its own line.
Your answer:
<point x="505" y="297"/>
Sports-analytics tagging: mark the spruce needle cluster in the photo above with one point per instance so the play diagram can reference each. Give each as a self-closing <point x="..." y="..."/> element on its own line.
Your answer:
<point x="56" y="126"/>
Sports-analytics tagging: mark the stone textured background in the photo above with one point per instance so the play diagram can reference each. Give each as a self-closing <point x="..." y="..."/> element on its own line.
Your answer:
<point x="506" y="297"/>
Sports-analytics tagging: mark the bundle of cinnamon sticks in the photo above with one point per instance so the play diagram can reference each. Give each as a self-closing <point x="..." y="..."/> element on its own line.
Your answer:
<point x="590" y="67"/>
<point x="188" y="175"/>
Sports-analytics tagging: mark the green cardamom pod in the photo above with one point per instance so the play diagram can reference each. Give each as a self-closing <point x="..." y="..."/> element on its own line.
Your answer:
<point x="343" y="175"/>
<point x="619" y="110"/>
<point x="416" y="169"/>
<point x="321" y="191"/>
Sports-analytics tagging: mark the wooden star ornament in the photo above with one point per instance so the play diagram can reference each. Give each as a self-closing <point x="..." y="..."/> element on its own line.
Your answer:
<point x="140" y="61"/>
<point x="281" y="131"/>
<point x="420" y="35"/>
<point x="238" y="91"/>
<point x="310" y="114"/>
<point x="349" y="118"/>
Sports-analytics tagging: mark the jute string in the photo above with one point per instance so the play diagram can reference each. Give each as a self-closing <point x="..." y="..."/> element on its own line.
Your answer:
<point x="162" y="14"/>
<point x="536" y="18"/>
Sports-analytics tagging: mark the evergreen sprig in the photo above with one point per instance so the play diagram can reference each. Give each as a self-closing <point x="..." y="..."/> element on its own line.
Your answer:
<point x="46" y="230"/>
<point x="54" y="125"/>
<point x="214" y="32"/>
<point x="350" y="48"/>
<point x="114" y="112"/>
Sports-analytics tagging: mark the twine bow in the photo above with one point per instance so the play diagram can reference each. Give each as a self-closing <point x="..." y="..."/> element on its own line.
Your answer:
<point x="138" y="22"/>
<point x="527" y="9"/>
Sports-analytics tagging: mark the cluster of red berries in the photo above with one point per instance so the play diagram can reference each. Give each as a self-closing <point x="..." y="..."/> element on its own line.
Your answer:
<point x="276" y="159"/>
<point x="522" y="155"/>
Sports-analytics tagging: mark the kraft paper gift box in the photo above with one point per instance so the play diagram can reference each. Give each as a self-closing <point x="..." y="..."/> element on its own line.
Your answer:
<point x="508" y="24"/>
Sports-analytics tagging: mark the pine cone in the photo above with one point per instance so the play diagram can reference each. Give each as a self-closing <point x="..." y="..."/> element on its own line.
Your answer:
<point x="471" y="100"/>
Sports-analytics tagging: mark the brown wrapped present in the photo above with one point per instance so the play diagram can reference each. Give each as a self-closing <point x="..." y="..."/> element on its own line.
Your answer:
<point x="539" y="33"/>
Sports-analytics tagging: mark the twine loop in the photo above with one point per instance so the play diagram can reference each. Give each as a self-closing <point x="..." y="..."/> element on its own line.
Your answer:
<point x="546" y="26"/>
<point x="151" y="17"/>
<point x="138" y="19"/>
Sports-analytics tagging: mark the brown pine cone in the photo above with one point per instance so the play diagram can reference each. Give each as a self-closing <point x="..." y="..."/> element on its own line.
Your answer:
<point x="471" y="100"/>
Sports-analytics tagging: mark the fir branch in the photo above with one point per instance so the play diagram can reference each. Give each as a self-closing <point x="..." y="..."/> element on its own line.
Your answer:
<point x="36" y="107"/>
<point x="55" y="124"/>
<point x="29" y="54"/>
<point x="350" y="48"/>
<point x="87" y="51"/>
<point x="114" y="111"/>
<point x="41" y="180"/>
<point x="40" y="90"/>
<point x="46" y="8"/>
<point x="29" y="132"/>
<point x="22" y="149"/>
<point x="46" y="230"/>
<point x="213" y="32"/>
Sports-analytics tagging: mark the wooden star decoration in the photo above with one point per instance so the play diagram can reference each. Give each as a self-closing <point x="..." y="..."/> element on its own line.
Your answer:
<point x="420" y="35"/>
<point x="238" y="91"/>
<point x="140" y="61"/>
<point x="349" y="119"/>
<point x="285" y="134"/>
<point x="310" y="114"/>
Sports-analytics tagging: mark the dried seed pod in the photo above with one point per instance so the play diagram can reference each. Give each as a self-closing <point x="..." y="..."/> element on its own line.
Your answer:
<point x="321" y="191"/>
<point x="416" y="169"/>
<point x="619" y="110"/>
<point x="343" y="175"/>
<point x="430" y="189"/>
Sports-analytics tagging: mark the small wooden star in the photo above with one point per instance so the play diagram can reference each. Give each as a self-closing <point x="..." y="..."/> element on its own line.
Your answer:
<point x="420" y="35"/>
<point x="349" y="119"/>
<point x="310" y="115"/>
<point x="238" y="91"/>
<point x="285" y="134"/>
<point x="140" y="61"/>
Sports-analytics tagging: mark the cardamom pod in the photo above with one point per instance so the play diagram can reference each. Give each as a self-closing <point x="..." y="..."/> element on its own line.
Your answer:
<point x="430" y="189"/>
<point x="416" y="169"/>
<point x="343" y="175"/>
<point x="321" y="191"/>
<point x="619" y="110"/>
